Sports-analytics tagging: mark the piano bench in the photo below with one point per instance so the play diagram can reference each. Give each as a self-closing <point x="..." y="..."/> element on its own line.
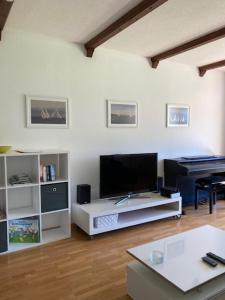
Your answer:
<point x="212" y="190"/>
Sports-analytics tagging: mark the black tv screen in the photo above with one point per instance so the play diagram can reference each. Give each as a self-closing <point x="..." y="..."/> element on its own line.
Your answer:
<point x="124" y="174"/>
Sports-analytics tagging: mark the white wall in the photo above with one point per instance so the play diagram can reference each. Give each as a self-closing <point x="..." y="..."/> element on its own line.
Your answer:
<point x="38" y="65"/>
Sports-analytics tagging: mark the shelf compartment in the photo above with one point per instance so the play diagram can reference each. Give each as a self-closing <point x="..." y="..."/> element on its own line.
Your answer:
<point x="17" y="165"/>
<point x="23" y="202"/>
<point x="55" y="226"/>
<point x="145" y="215"/>
<point x="60" y="161"/>
<point x="2" y="205"/>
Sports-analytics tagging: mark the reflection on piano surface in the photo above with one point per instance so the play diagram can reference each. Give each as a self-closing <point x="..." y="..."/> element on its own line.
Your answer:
<point x="184" y="171"/>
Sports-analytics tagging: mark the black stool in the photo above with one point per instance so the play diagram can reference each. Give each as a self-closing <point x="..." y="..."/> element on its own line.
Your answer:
<point x="212" y="189"/>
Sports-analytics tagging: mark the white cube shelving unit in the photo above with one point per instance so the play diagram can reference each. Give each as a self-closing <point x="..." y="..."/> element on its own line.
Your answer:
<point x="134" y="211"/>
<point x="24" y="200"/>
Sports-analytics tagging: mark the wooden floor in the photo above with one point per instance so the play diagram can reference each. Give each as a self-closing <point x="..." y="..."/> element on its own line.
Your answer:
<point x="82" y="269"/>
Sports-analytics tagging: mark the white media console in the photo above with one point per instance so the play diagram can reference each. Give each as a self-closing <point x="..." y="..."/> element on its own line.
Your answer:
<point x="103" y="215"/>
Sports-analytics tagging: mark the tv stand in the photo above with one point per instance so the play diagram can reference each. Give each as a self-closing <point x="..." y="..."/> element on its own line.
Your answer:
<point x="134" y="211"/>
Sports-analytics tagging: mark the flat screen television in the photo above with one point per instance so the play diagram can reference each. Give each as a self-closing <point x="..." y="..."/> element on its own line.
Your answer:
<point x="125" y="174"/>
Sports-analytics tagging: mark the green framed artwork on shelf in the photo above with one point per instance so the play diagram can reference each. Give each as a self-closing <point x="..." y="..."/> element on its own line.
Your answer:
<point x="25" y="230"/>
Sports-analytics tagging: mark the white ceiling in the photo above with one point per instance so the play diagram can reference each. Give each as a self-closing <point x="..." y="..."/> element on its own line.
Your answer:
<point x="171" y="24"/>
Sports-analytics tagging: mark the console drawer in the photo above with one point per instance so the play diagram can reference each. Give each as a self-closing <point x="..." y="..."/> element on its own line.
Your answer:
<point x="54" y="197"/>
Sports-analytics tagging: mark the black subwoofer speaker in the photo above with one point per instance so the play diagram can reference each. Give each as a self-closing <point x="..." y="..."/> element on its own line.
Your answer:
<point x="83" y="193"/>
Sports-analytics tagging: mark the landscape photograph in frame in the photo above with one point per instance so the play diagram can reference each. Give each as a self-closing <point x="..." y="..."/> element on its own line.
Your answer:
<point x="178" y="115"/>
<point x="122" y="114"/>
<point x="47" y="112"/>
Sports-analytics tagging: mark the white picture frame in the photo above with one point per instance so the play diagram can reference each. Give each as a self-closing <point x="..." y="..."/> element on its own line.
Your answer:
<point x="47" y="112"/>
<point x="122" y="114"/>
<point x="177" y="115"/>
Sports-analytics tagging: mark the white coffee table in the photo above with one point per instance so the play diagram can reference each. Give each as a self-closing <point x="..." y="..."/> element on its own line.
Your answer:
<point x="182" y="274"/>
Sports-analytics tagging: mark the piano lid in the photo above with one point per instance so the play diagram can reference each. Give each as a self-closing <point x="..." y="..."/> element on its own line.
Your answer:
<point x="199" y="158"/>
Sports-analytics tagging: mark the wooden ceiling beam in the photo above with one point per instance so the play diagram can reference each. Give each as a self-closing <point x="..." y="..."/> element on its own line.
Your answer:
<point x="5" y="7"/>
<point x="203" y="69"/>
<point x="126" y="20"/>
<point x="205" y="39"/>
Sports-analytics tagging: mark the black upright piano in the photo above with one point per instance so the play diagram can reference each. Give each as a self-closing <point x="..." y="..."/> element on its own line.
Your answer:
<point x="184" y="171"/>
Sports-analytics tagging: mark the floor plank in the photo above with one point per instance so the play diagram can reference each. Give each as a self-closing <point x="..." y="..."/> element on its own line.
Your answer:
<point x="81" y="269"/>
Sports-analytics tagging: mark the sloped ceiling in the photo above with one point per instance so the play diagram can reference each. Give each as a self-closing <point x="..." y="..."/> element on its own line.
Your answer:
<point x="171" y="24"/>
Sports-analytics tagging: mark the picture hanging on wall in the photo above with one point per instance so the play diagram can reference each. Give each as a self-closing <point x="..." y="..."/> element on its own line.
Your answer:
<point x="178" y="115"/>
<point x="122" y="114"/>
<point x="47" y="112"/>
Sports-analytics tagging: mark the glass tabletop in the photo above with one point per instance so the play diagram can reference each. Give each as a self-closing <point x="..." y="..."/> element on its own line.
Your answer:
<point x="178" y="257"/>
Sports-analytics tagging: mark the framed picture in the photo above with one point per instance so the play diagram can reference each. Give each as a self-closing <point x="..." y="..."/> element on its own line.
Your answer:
<point x="178" y="115"/>
<point x="122" y="114"/>
<point x="47" y="112"/>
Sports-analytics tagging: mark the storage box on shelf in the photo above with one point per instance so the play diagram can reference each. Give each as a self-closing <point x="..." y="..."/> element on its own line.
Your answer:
<point x="103" y="215"/>
<point x="46" y="202"/>
<point x="54" y="197"/>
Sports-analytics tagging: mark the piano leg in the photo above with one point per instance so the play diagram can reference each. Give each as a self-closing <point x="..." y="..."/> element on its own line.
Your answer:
<point x="214" y="197"/>
<point x="211" y="198"/>
<point x="196" y="198"/>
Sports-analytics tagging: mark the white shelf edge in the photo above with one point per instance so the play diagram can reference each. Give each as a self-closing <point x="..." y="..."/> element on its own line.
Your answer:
<point x="14" y="153"/>
<point x="54" y="182"/>
<point x="15" y="186"/>
<point x="19" y="216"/>
<point x="3" y="220"/>
<point x="54" y="211"/>
<point x="2" y="188"/>
<point x="14" y="247"/>
<point x="18" y="154"/>
<point x="53" y="152"/>
<point x="53" y="235"/>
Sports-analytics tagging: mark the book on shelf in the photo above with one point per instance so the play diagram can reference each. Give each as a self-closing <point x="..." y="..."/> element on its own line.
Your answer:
<point x="24" y="230"/>
<point x="47" y="172"/>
